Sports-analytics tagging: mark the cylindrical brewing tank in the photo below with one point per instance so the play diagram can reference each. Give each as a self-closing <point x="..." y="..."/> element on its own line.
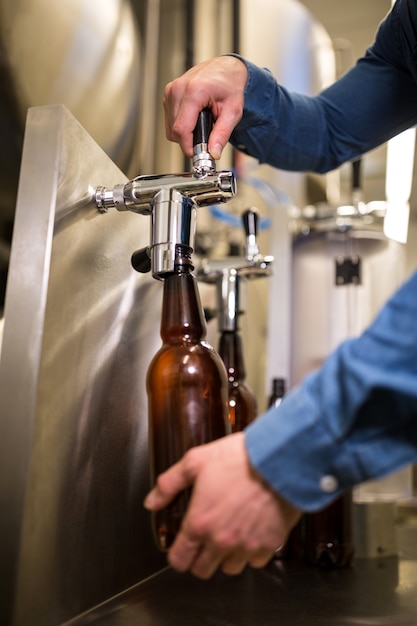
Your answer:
<point x="85" y="55"/>
<point x="337" y="311"/>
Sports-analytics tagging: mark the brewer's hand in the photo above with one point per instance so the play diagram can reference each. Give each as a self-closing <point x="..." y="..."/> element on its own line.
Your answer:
<point x="218" y="84"/>
<point x="233" y="518"/>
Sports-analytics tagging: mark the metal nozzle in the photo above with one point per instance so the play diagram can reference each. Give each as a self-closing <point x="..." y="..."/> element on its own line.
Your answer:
<point x="171" y="200"/>
<point x="230" y="274"/>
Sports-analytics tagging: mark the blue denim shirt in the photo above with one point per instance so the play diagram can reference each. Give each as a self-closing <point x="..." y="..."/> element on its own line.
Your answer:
<point x="356" y="417"/>
<point x="372" y="102"/>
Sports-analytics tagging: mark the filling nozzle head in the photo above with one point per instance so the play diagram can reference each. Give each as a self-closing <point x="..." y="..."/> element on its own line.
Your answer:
<point x="203" y="162"/>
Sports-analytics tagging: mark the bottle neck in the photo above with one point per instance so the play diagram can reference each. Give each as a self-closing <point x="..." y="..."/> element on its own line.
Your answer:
<point x="231" y="351"/>
<point x="278" y="387"/>
<point x="182" y="314"/>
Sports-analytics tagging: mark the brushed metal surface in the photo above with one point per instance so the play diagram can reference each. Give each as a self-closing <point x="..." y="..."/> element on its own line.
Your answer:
<point x="371" y="593"/>
<point x="80" y="328"/>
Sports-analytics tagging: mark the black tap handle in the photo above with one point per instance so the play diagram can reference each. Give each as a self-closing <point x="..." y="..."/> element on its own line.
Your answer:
<point x="250" y="219"/>
<point x="141" y="260"/>
<point x="356" y="173"/>
<point x="203" y="127"/>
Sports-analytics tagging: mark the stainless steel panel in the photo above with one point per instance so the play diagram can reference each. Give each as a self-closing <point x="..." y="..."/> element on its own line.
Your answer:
<point x="80" y="329"/>
<point x="371" y="593"/>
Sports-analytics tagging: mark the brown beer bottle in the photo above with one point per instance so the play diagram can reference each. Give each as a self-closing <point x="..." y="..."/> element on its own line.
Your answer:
<point x="243" y="407"/>
<point x="187" y="388"/>
<point x="293" y="547"/>
<point x="328" y="538"/>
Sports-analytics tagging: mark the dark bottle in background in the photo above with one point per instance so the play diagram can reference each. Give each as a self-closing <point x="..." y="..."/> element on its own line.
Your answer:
<point x="327" y="534"/>
<point x="231" y="275"/>
<point x="243" y="408"/>
<point x="293" y="548"/>
<point x="187" y="388"/>
<point x="277" y="392"/>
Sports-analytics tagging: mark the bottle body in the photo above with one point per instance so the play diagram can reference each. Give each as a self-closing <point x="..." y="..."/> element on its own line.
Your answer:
<point x="328" y="534"/>
<point x="293" y="548"/>
<point x="187" y="392"/>
<point x="243" y="408"/>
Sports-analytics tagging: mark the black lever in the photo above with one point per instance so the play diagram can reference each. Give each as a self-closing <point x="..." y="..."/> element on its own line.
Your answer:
<point x="203" y="127"/>
<point x="141" y="260"/>
<point x="203" y="163"/>
<point x="250" y="221"/>
<point x="356" y="173"/>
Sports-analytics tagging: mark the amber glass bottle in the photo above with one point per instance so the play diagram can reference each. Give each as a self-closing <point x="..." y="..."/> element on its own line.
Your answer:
<point x="187" y="388"/>
<point x="243" y="407"/>
<point x="328" y="538"/>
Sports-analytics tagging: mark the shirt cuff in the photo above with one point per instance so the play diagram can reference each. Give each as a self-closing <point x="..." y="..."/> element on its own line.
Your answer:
<point x="298" y="455"/>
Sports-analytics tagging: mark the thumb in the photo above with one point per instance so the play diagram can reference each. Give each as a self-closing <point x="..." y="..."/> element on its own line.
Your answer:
<point x="173" y="481"/>
<point x="222" y="129"/>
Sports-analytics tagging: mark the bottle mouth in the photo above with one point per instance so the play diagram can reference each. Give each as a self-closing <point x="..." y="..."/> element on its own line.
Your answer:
<point x="183" y="256"/>
<point x="182" y="259"/>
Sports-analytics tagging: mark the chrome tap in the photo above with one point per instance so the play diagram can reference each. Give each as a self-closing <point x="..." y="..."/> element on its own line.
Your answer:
<point x="171" y="201"/>
<point x="228" y="273"/>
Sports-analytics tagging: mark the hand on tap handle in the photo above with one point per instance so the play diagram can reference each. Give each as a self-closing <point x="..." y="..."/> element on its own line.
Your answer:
<point x="217" y="84"/>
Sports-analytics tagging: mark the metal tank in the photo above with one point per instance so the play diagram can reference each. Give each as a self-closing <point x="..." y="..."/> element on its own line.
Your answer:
<point x="336" y="278"/>
<point x="84" y="55"/>
<point x="80" y="328"/>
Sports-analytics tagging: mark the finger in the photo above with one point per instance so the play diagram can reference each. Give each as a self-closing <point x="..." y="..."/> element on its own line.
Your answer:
<point x="234" y="564"/>
<point x="261" y="559"/>
<point x="177" y="478"/>
<point x="207" y="561"/>
<point x="182" y="106"/>
<point x="184" y="551"/>
<point x="185" y="123"/>
<point x="222" y="129"/>
<point x="192" y="552"/>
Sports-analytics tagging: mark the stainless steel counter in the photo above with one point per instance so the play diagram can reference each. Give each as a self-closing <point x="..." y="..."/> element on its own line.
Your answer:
<point x="370" y="593"/>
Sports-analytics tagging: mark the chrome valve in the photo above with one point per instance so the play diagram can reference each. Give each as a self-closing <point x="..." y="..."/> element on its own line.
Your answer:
<point x="171" y="201"/>
<point x="228" y="273"/>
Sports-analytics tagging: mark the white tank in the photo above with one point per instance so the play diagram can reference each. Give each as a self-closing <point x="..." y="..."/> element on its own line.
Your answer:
<point x="325" y="312"/>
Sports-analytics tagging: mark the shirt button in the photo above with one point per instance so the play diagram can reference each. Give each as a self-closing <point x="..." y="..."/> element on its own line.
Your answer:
<point x="241" y="146"/>
<point x="328" y="484"/>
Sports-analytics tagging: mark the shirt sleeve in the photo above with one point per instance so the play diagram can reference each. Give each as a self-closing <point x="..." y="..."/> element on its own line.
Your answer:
<point x="353" y="419"/>
<point x="374" y="101"/>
